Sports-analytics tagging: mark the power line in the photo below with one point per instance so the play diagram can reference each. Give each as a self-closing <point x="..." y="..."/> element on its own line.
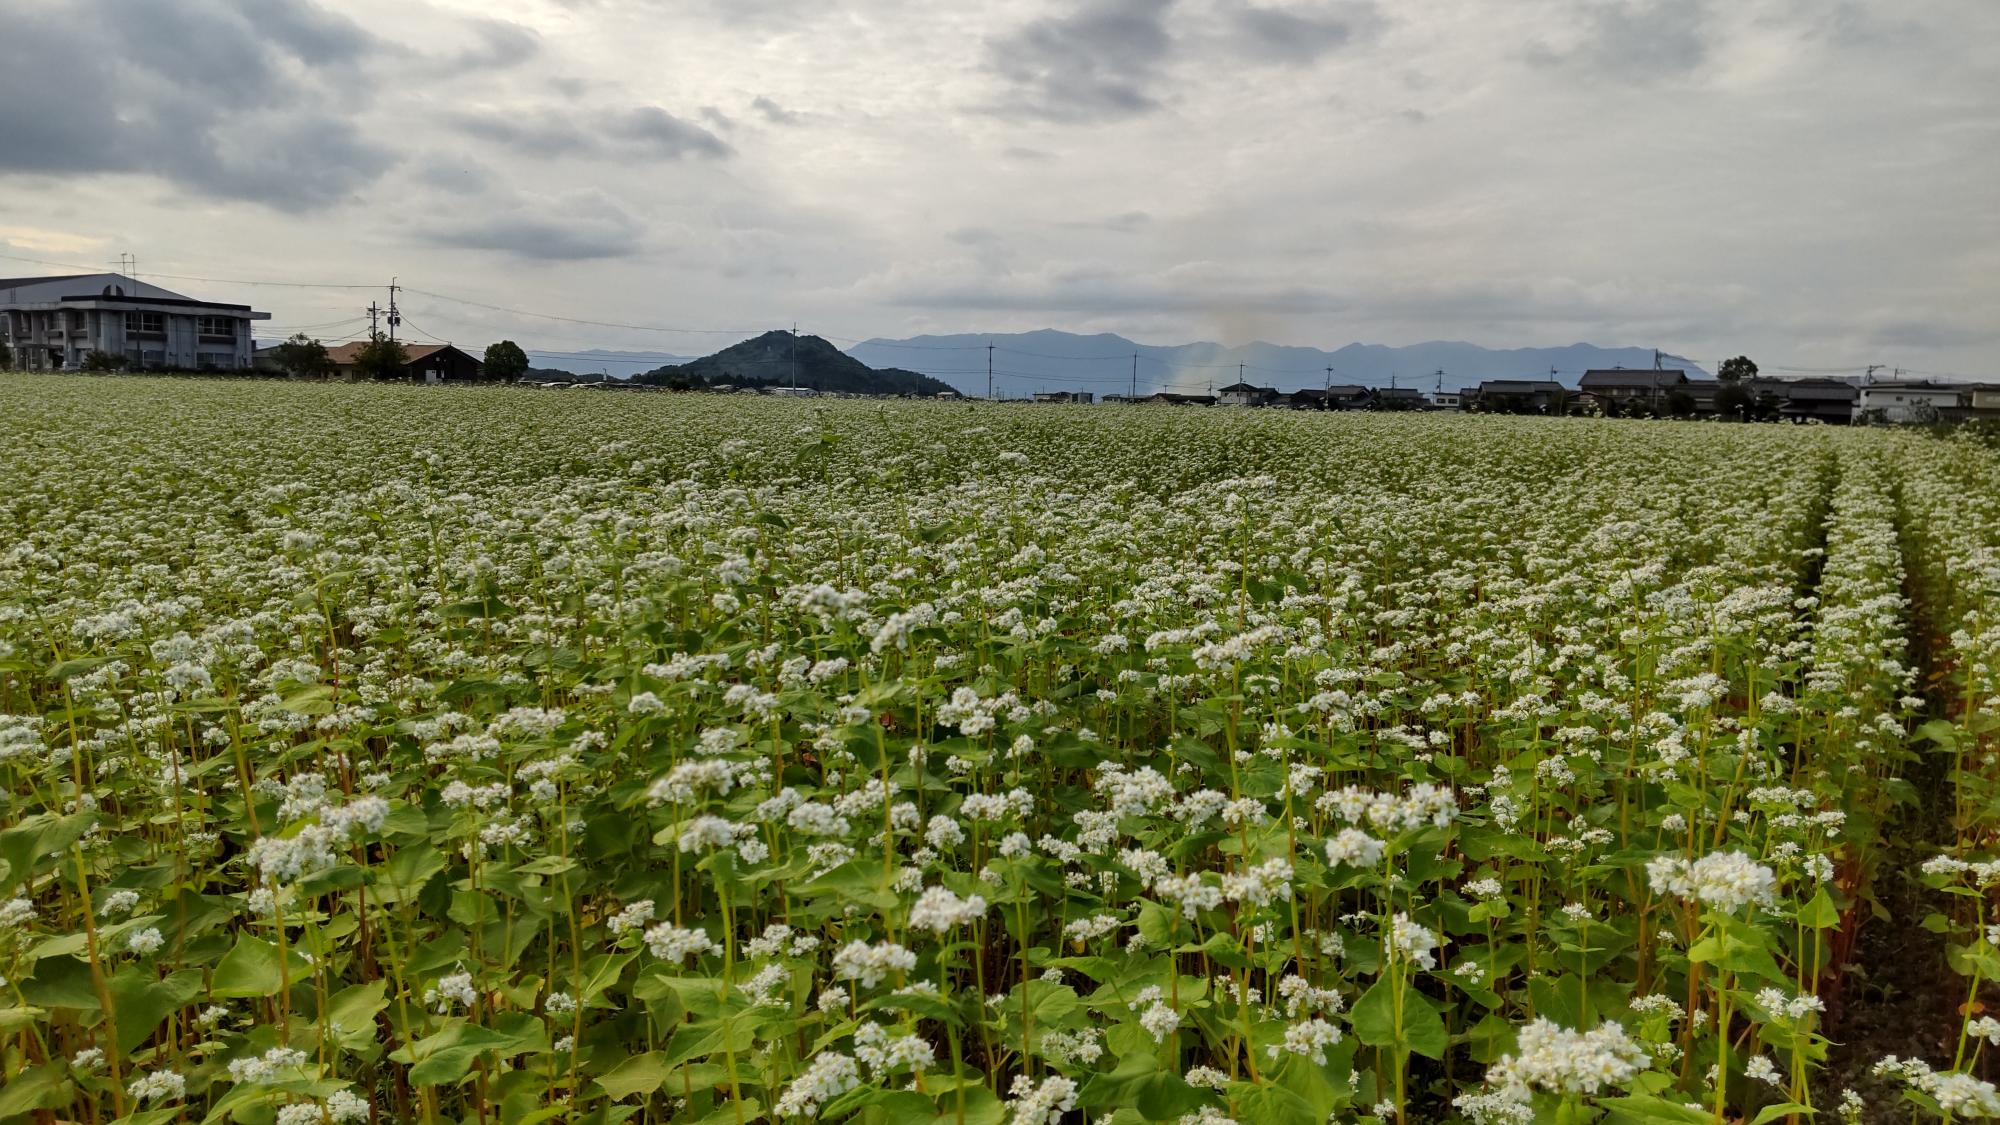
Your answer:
<point x="583" y="320"/>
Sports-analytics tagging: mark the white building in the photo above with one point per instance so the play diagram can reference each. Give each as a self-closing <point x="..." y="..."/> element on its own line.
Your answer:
<point x="52" y="323"/>
<point x="1903" y="400"/>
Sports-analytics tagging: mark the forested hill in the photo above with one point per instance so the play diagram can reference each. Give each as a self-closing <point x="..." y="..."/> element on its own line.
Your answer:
<point x="781" y="359"/>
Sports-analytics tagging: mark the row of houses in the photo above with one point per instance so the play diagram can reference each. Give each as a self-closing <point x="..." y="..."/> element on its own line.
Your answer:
<point x="1351" y="396"/>
<point x="1671" y="391"/>
<point x="1616" y="391"/>
<point x="59" y="323"/>
<point x="422" y="363"/>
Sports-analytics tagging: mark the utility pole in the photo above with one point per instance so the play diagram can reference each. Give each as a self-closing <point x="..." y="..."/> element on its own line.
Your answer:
<point x="374" y="315"/>
<point x="795" y="357"/>
<point x="1134" y="397"/>
<point x="1656" y="359"/>
<point x="393" y="315"/>
<point x="1239" y="373"/>
<point x="1329" y="378"/>
<point x="989" y="371"/>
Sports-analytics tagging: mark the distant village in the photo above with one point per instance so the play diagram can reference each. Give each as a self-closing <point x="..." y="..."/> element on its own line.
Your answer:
<point x="110" y="322"/>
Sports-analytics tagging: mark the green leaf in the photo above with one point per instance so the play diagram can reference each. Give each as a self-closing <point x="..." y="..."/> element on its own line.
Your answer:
<point x="855" y="881"/>
<point x="600" y="973"/>
<point x="982" y="1107"/>
<point x="1166" y="1096"/>
<point x="638" y="1074"/>
<point x="1421" y="1029"/>
<point x="1275" y="1105"/>
<point x="448" y="1056"/>
<point x="143" y="1002"/>
<point x="1737" y="947"/>
<point x="315" y="700"/>
<point x="37" y="1087"/>
<point x="1646" y="1109"/>
<point x="1774" y="1112"/>
<point x="352" y="1012"/>
<point x="34" y="844"/>
<point x="547" y="865"/>
<point x="1819" y="912"/>
<point x="709" y="1037"/>
<point x="1942" y="732"/>
<point x="251" y="968"/>
<point x="14" y="1019"/>
<point x="407" y="871"/>
<point x="77" y="667"/>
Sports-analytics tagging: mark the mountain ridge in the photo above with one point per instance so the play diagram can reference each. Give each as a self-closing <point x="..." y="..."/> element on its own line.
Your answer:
<point x="1050" y="359"/>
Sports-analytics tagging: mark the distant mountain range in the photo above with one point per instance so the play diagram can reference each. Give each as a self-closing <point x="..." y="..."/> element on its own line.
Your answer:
<point x="781" y="359"/>
<point x="1047" y="360"/>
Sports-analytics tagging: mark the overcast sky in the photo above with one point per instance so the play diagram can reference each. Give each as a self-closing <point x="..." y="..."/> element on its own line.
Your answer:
<point x="1808" y="181"/>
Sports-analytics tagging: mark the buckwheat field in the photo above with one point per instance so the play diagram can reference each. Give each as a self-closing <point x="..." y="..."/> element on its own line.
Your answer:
<point x="417" y="755"/>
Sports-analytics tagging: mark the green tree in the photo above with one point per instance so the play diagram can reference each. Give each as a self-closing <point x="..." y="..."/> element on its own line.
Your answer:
<point x="103" y="361"/>
<point x="1736" y="370"/>
<point x="1733" y="401"/>
<point x="381" y="358"/>
<point x="505" y="361"/>
<point x="302" y="357"/>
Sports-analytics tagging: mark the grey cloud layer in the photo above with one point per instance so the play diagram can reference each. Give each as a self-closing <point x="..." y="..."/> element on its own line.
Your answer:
<point x="1800" y="177"/>
<point x="1097" y="63"/>
<point x="177" y="89"/>
<point x="642" y="132"/>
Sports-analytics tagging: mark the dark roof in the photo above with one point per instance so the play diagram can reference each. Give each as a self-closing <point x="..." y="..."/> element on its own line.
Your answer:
<point x="1519" y="386"/>
<point x="12" y="282"/>
<point x="176" y="302"/>
<point x="1248" y="387"/>
<point x="345" y="353"/>
<point x="1913" y="385"/>
<point x="1399" y="392"/>
<point x="1624" y="377"/>
<point x="1820" y="390"/>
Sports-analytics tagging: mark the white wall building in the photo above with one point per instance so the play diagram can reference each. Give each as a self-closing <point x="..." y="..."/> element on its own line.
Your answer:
<point x="52" y="323"/>
<point x="1905" y="400"/>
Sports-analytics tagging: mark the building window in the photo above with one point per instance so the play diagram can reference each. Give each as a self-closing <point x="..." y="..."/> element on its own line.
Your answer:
<point x="216" y="327"/>
<point x="146" y="324"/>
